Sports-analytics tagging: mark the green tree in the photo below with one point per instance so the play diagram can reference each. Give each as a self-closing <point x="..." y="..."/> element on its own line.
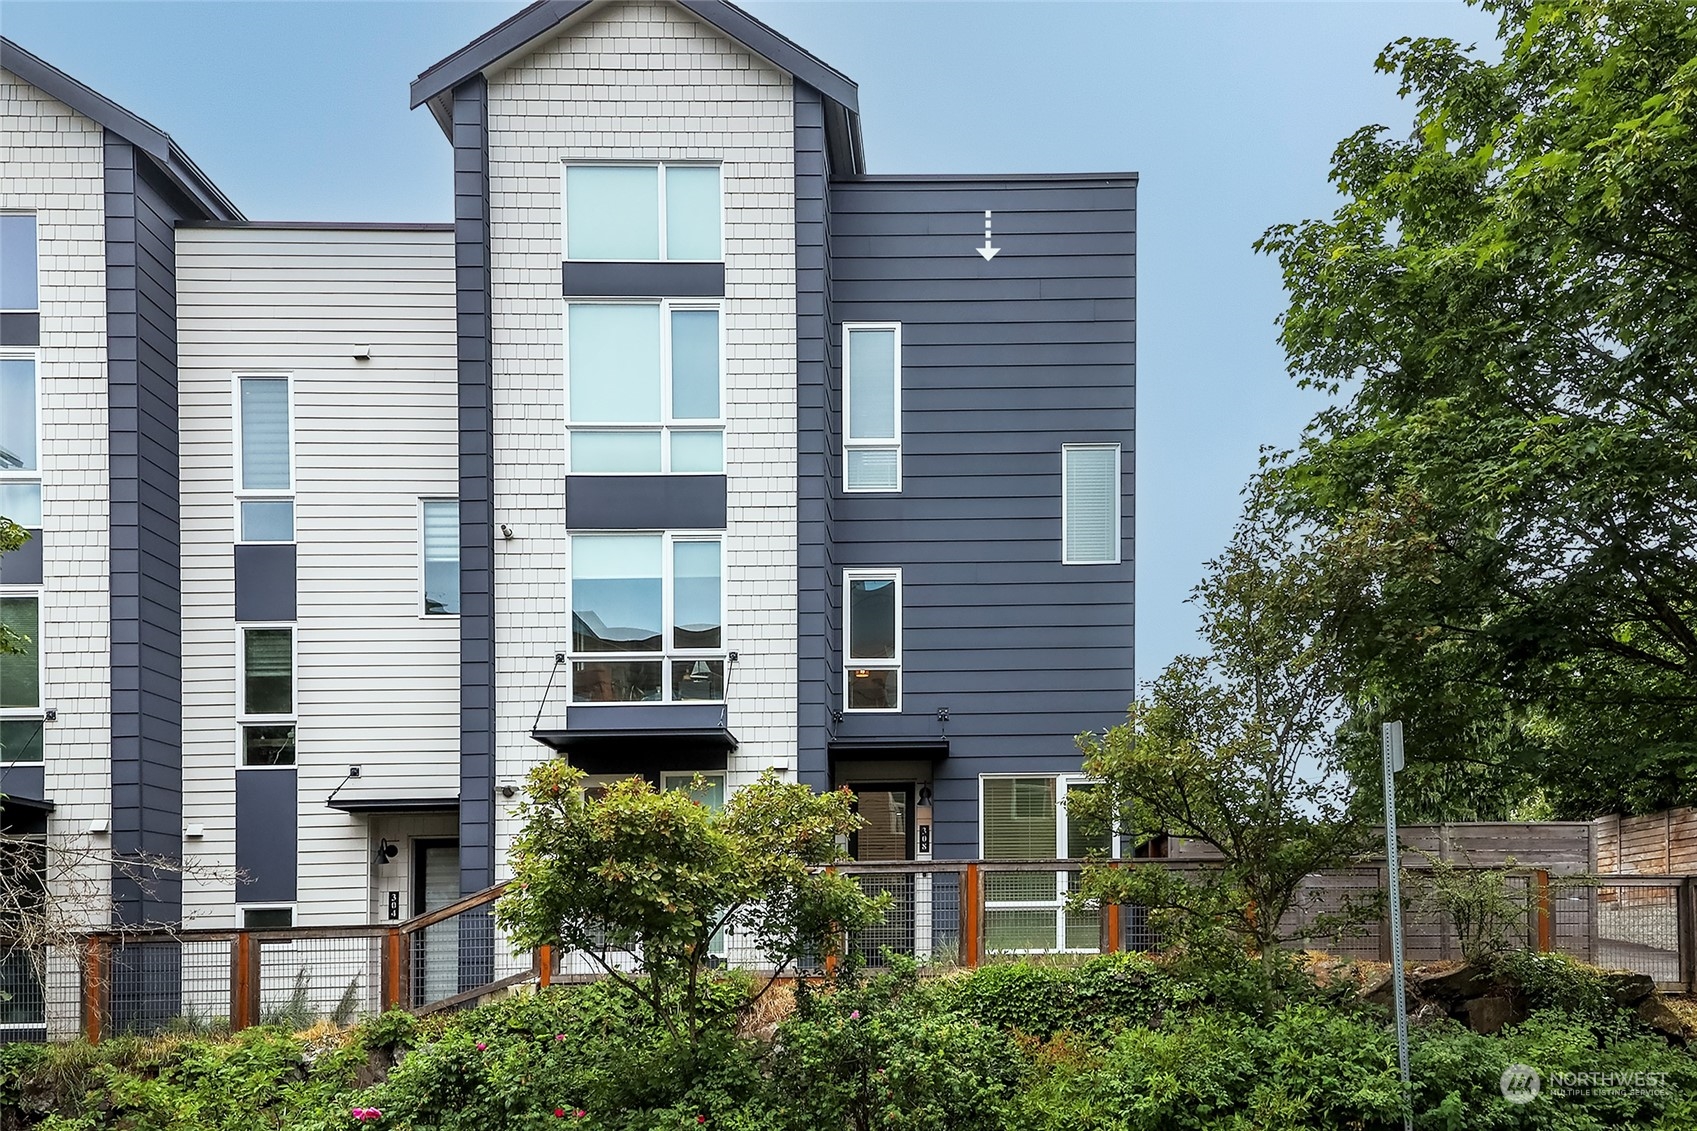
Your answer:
<point x="11" y="537"/>
<point x="641" y="880"/>
<point x="1508" y="297"/>
<point x="1233" y="748"/>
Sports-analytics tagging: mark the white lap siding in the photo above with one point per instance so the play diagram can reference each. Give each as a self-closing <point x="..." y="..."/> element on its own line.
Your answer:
<point x="644" y="82"/>
<point x="377" y="683"/>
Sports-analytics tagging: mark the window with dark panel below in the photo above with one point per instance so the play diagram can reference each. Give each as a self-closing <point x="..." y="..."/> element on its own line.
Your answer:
<point x="19" y="268"/>
<point x="21" y="715"/>
<point x="20" y="464"/>
<point x="268" y="674"/>
<point x="268" y="745"/>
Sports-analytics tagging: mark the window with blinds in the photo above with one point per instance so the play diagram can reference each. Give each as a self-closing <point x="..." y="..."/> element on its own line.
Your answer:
<point x="441" y="537"/>
<point x="872" y="411"/>
<point x="268" y="697"/>
<point x="264" y="467"/>
<point x="20" y="681"/>
<point x="1090" y="504"/>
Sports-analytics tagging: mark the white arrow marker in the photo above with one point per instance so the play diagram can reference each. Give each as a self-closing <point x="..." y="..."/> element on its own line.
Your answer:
<point x="987" y="251"/>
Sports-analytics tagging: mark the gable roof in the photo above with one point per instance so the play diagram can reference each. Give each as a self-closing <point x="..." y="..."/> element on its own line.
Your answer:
<point x="435" y="85"/>
<point x="144" y="135"/>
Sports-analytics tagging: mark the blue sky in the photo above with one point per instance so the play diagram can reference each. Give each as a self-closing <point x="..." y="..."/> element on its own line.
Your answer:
<point x="1229" y="111"/>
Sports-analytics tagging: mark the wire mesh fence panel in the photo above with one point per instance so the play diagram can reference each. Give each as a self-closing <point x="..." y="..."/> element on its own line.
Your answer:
<point x="1337" y="912"/>
<point x="1637" y="928"/>
<point x="40" y="993"/>
<point x="205" y="1005"/>
<point x="305" y="980"/>
<point x="922" y="920"/>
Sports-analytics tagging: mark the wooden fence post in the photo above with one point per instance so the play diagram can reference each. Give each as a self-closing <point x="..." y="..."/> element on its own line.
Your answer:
<point x="1688" y="933"/>
<point x="95" y="986"/>
<point x="971" y="917"/>
<point x="391" y="995"/>
<point x="544" y="966"/>
<point x="244" y="982"/>
<point x="1541" y="893"/>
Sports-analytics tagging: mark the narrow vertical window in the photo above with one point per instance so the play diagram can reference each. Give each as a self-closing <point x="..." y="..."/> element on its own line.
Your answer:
<point x="1090" y="504"/>
<point x="441" y="546"/>
<point x="19" y="275"/>
<point x="267" y="697"/>
<point x="20" y="441"/>
<point x="264" y="464"/>
<point x="872" y="408"/>
<point x="21" y="716"/>
<point x="872" y="665"/>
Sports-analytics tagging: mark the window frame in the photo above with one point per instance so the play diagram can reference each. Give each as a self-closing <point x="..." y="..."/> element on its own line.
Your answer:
<point x="37" y="713"/>
<point x="36" y="214"/>
<point x="291" y="908"/>
<point x="660" y="217"/>
<point x="849" y="442"/>
<point x="851" y="663"/>
<point x="423" y="607"/>
<point x="1064" y="783"/>
<point x="26" y="476"/>
<point x="667" y="425"/>
<point x="1119" y="503"/>
<point x="241" y="494"/>
<point x="245" y="718"/>
<point x="668" y="653"/>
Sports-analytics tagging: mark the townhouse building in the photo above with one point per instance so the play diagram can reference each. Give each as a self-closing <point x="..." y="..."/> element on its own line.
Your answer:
<point x="689" y="447"/>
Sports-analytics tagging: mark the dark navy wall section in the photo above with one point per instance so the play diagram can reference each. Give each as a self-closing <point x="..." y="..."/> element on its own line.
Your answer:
<point x="1003" y="362"/>
<point x="643" y="280"/>
<point x="22" y="566"/>
<point x="477" y="473"/>
<point x="267" y="839"/>
<point x="645" y="502"/>
<point x="265" y="582"/>
<point x="142" y="210"/>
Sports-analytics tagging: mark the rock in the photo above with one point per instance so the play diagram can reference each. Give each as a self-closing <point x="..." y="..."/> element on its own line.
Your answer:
<point x="1429" y="1013"/>
<point x="1488" y="1015"/>
<point x="1654" y="1012"/>
<point x="1459" y="984"/>
<point x="1627" y="988"/>
<point x="1380" y="990"/>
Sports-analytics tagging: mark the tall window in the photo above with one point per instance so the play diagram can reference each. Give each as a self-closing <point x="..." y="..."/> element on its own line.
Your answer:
<point x="872" y="666"/>
<point x="643" y="212"/>
<point x="268" y="697"/>
<point x="19" y="274"/>
<point x="21" y="715"/>
<point x="872" y="444"/>
<point x="441" y="554"/>
<point x="1026" y="818"/>
<point x="20" y="440"/>
<point x="643" y="387"/>
<point x="265" y="461"/>
<point x="1090" y="504"/>
<point x="647" y="618"/>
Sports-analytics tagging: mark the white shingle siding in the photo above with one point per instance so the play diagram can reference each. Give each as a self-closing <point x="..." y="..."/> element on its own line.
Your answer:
<point x="378" y="684"/>
<point x="644" y="82"/>
<point x="52" y="163"/>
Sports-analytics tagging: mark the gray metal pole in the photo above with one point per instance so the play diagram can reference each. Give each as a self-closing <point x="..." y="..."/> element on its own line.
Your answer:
<point x="1392" y="748"/>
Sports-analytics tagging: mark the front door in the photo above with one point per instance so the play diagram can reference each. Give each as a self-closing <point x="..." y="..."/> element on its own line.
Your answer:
<point x="436" y="949"/>
<point x="886" y="836"/>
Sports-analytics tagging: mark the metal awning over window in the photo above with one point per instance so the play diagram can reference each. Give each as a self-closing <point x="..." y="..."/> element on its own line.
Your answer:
<point x="639" y="738"/>
<point x="383" y="803"/>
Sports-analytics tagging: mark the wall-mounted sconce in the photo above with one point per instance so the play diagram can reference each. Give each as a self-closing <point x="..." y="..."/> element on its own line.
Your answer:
<point x="387" y="850"/>
<point x="506" y="532"/>
<point x="508" y="789"/>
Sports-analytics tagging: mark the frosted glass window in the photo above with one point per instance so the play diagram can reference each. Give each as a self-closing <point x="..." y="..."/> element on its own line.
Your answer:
<point x="616" y="593"/>
<point x="872" y="385"/>
<point x="268" y="675"/>
<point x="695" y="595"/>
<point x="18" y="273"/>
<point x="614" y="362"/>
<point x="18" y="415"/>
<point x="692" y="212"/>
<point x="873" y="469"/>
<point x="268" y="520"/>
<point x="21" y="502"/>
<point x="1090" y="522"/>
<point x="265" y="433"/>
<point x="630" y="453"/>
<point x="441" y="557"/>
<point x="612" y="212"/>
<point x="698" y="451"/>
<point x="695" y="364"/>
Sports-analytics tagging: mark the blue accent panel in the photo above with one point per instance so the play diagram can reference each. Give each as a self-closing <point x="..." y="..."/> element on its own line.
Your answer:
<point x="143" y="207"/>
<point x="643" y="280"/>
<point x="267" y="835"/>
<point x="23" y="781"/>
<point x="265" y="582"/>
<point x="1003" y="362"/>
<point x="644" y="716"/>
<point x="645" y="502"/>
<point x="22" y="566"/>
<point x="472" y="291"/>
<point x="20" y="329"/>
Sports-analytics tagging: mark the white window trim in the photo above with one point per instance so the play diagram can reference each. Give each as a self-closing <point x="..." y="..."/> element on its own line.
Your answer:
<point x="851" y="664"/>
<point x="667" y="424"/>
<point x="1063" y="782"/>
<point x="243" y="717"/>
<point x="668" y="653"/>
<point x="661" y="166"/>
<point x="874" y="445"/>
<point x="1119" y="507"/>
<point x="423" y="613"/>
<point x="39" y="711"/>
<point x="242" y="494"/>
<point x="36" y="309"/>
<point x="27" y="475"/>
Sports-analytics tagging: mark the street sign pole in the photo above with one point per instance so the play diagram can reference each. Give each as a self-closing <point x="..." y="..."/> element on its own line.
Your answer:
<point x="1392" y="748"/>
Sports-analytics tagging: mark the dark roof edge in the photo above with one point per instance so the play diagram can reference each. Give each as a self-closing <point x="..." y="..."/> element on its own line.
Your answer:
<point x="981" y="178"/>
<point x="139" y="132"/>
<point x="319" y="225"/>
<point x="543" y="16"/>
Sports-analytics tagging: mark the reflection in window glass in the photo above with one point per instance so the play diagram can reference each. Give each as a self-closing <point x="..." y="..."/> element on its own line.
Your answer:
<point x="872" y="618"/>
<point x="616" y="594"/>
<point x="268" y="745"/>
<point x="17" y="415"/>
<point x="695" y="595"/>
<point x="20" y="672"/>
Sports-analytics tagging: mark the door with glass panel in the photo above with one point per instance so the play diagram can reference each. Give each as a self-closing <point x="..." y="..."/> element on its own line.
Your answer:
<point x="436" y="949"/>
<point x="885" y="836"/>
<point x="1024" y="820"/>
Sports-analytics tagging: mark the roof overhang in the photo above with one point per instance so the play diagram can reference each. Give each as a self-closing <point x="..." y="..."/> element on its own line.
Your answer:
<point x="384" y="804"/>
<point x="142" y="134"/>
<point x="513" y="37"/>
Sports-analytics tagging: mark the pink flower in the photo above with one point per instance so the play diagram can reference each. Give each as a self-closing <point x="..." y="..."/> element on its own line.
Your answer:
<point x="559" y="1036"/>
<point x="579" y="1113"/>
<point x="701" y="1119"/>
<point x="481" y="1046"/>
<point x="855" y="1016"/>
<point x="559" y="1113"/>
<point x="366" y="1114"/>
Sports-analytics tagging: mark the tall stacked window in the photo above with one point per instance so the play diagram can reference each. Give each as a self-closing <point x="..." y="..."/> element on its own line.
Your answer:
<point x="265" y="466"/>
